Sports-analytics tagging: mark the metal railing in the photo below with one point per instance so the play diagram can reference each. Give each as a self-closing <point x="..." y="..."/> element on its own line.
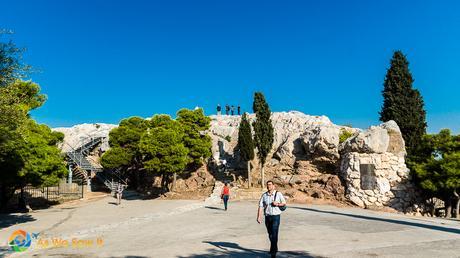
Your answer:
<point x="58" y="193"/>
<point x="77" y="156"/>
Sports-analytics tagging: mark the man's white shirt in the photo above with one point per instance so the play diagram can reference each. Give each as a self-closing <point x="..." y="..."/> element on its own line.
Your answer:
<point x="266" y="201"/>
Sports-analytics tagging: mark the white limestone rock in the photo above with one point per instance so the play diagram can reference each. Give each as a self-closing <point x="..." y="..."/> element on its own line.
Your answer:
<point x="74" y="136"/>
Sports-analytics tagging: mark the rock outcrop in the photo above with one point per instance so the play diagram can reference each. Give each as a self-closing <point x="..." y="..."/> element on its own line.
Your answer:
<point x="296" y="136"/>
<point x="374" y="169"/>
<point x="76" y="135"/>
<point x="310" y="159"/>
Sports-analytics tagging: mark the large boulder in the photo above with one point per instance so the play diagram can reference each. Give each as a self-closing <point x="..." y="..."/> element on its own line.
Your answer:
<point x="322" y="141"/>
<point x="386" y="137"/>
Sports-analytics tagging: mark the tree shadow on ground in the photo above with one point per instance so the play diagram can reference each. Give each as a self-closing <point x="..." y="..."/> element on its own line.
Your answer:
<point x="395" y="221"/>
<point x="7" y="220"/>
<point x="227" y="249"/>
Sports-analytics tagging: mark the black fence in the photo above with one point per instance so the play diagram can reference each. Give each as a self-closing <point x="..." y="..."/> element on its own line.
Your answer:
<point x="39" y="196"/>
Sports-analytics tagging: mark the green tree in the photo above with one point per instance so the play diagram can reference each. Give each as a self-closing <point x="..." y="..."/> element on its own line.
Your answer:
<point x="128" y="153"/>
<point x="195" y="124"/>
<point x="402" y="103"/>
<point x="163" y="149"/>
<point x="16" y="100"/>
<point x="11" y="66"/>
<point x="116" y="157"/>
<point x="263" y="130"/>
<point x="246" y="144"/>
<point x="11" y="163"/>
<point x="43" y="161"/>
<point x="28" y="151"/>
<point x="437" y="168"/>
<point x="124" y="152"/>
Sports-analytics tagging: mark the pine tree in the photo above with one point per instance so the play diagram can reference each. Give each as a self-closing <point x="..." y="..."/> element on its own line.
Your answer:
<point x="195" y="124"/>
<point x="402" y="103"/>
<point x="437" y="170"/>
<point x="163" y="149"/>
<point x="263" y="130"/>
<point x="246" y="144"/>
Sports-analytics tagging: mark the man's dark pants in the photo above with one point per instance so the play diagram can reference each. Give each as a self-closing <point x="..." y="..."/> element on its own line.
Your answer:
<point x="272" y="222"/>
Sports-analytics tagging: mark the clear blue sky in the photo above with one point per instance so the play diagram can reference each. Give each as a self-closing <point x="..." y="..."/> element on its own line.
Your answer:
<point x="102" y="61"/>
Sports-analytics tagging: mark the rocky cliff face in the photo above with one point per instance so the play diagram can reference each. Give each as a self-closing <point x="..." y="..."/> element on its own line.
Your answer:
<point x="308" y="159"/>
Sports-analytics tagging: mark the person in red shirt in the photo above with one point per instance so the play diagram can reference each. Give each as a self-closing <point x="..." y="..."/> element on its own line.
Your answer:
<point x="225" y="195"/>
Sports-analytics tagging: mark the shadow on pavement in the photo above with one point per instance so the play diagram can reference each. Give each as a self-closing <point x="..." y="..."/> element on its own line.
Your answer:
<point x="401" y="222"/>
<point x="7" y="220"/>
<point x="131" y="195"/>
<point x="4" y="250"/>
<point x="213" y="208"/>
<point x="130" y="256"/>
<point x="227" y="249"/>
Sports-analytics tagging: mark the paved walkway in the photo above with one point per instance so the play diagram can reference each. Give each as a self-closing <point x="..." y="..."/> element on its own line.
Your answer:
<point x="159" y="228"/>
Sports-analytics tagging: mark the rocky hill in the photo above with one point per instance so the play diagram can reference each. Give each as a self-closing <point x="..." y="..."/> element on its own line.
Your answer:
<point x="308" y="159"/>
<point x="311" y="158"/>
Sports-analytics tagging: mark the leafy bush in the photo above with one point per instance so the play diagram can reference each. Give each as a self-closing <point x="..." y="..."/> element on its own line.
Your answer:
<point x="344" y="135"/>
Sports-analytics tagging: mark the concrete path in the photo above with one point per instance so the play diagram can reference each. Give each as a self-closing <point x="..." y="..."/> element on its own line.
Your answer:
<point x="159" y="228"/>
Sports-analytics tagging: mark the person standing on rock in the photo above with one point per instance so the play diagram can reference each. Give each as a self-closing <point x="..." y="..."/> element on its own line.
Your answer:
<point x="269" y="205"/>
<point x="227" y="108"/>
<point x="225" y="195"/>
<point x="239" y="110"/>
<point x="233" y="110"/>
<point x="218" y="109"/>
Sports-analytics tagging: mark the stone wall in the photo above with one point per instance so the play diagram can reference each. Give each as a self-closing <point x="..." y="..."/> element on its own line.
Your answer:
<point x="387" y="182"/>
<point x="374" y="169"/>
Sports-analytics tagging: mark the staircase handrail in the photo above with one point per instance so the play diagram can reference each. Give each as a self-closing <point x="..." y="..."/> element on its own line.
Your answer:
<point x="89" y="142"/>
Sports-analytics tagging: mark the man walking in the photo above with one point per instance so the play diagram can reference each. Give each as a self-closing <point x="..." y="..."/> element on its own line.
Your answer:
<point x="119" y="192"/>
<point x="270" y="204"/>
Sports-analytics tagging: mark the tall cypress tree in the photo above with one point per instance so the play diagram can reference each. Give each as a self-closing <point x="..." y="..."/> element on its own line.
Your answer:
<point x="402" y="103"/>
<point x="246" y="144"/>
<point x="263" y="130"/>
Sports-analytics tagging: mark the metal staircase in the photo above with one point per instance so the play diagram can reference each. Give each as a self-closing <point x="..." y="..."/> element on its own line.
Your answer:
<point x="111" y="179"/>
<point x="83" y="169"/>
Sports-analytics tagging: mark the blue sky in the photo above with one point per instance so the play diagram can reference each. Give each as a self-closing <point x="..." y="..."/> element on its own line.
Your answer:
<point x="102" y="61"/>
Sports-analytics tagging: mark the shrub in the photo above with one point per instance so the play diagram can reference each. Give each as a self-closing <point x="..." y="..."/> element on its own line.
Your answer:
<point x="344" y="135"/>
